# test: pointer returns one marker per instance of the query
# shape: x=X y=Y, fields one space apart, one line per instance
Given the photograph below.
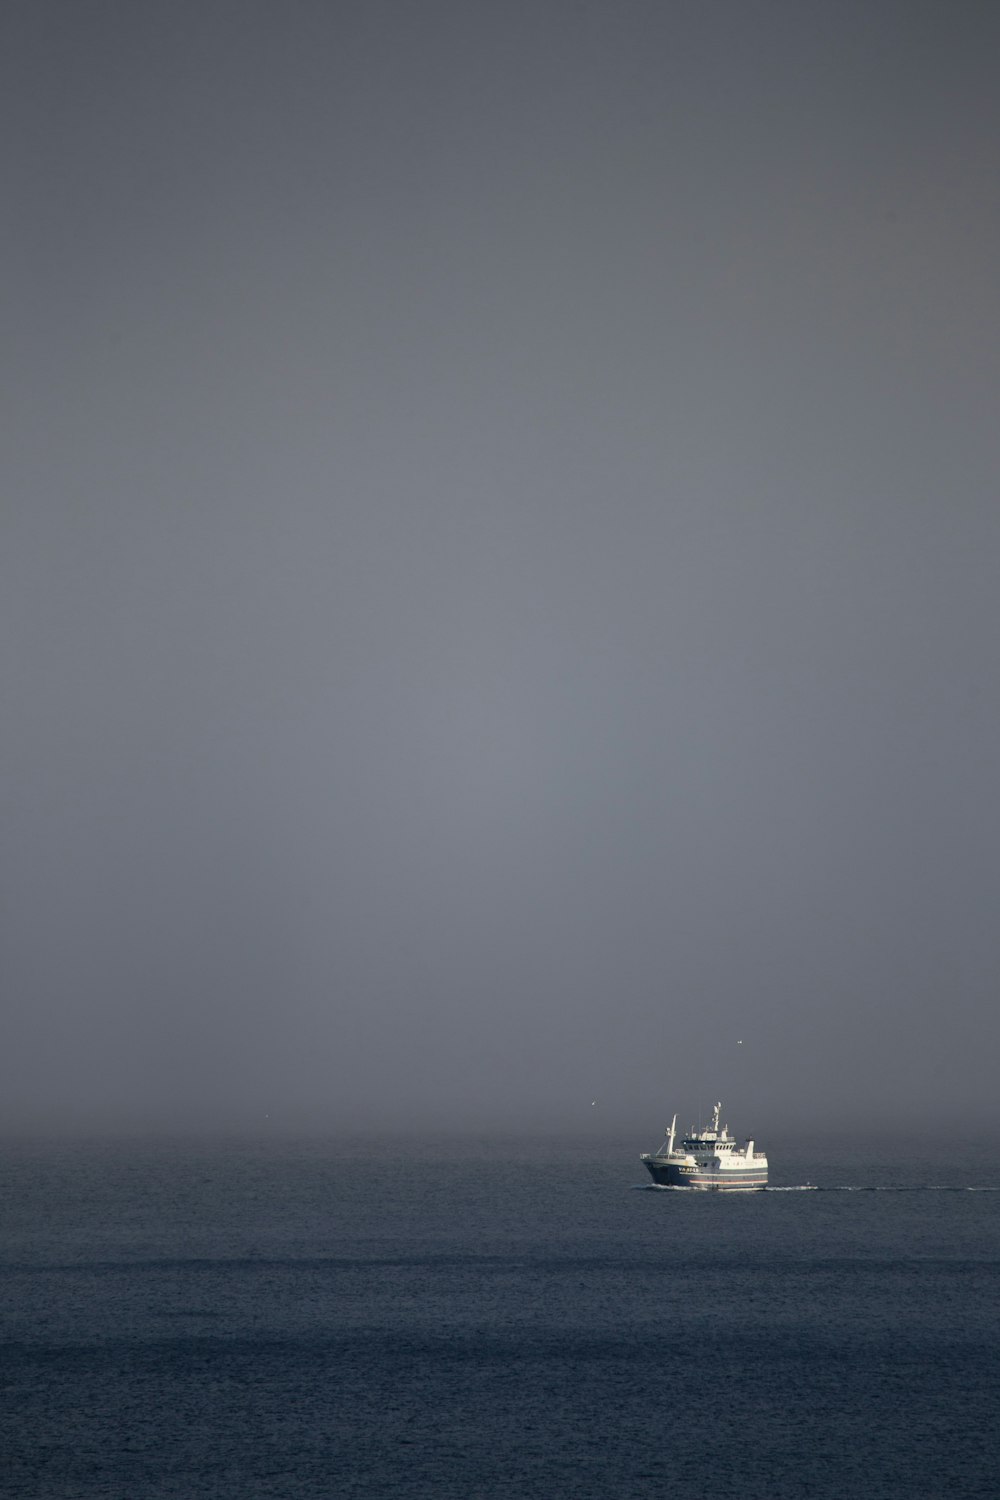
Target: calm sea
x=494 y=1321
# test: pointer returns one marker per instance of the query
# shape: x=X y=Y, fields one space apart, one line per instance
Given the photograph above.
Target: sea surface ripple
x=486 y=1321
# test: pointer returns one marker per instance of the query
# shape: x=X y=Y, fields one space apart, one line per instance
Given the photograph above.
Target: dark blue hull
x=681 y=1175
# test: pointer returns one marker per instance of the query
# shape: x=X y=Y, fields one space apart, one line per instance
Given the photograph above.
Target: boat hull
x=705 y=1179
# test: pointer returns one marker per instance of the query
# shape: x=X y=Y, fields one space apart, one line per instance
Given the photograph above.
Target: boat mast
x=670 y=1136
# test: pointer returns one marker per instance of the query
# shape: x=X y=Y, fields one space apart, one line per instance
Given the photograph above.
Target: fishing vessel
x=707 y=1159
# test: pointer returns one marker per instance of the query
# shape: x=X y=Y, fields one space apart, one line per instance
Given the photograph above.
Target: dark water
x=476 y=1320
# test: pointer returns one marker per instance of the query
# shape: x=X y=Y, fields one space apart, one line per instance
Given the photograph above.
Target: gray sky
x=500 y=552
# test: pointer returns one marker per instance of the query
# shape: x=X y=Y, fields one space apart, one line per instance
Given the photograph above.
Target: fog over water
x=500 y=588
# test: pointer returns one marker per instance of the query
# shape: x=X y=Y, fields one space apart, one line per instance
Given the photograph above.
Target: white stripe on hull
x=714 y=1184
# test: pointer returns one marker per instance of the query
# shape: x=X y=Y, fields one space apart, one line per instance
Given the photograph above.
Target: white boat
x=707 y=1159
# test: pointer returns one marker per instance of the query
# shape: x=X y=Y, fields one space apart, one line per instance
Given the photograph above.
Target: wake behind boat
x=706 y=1159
